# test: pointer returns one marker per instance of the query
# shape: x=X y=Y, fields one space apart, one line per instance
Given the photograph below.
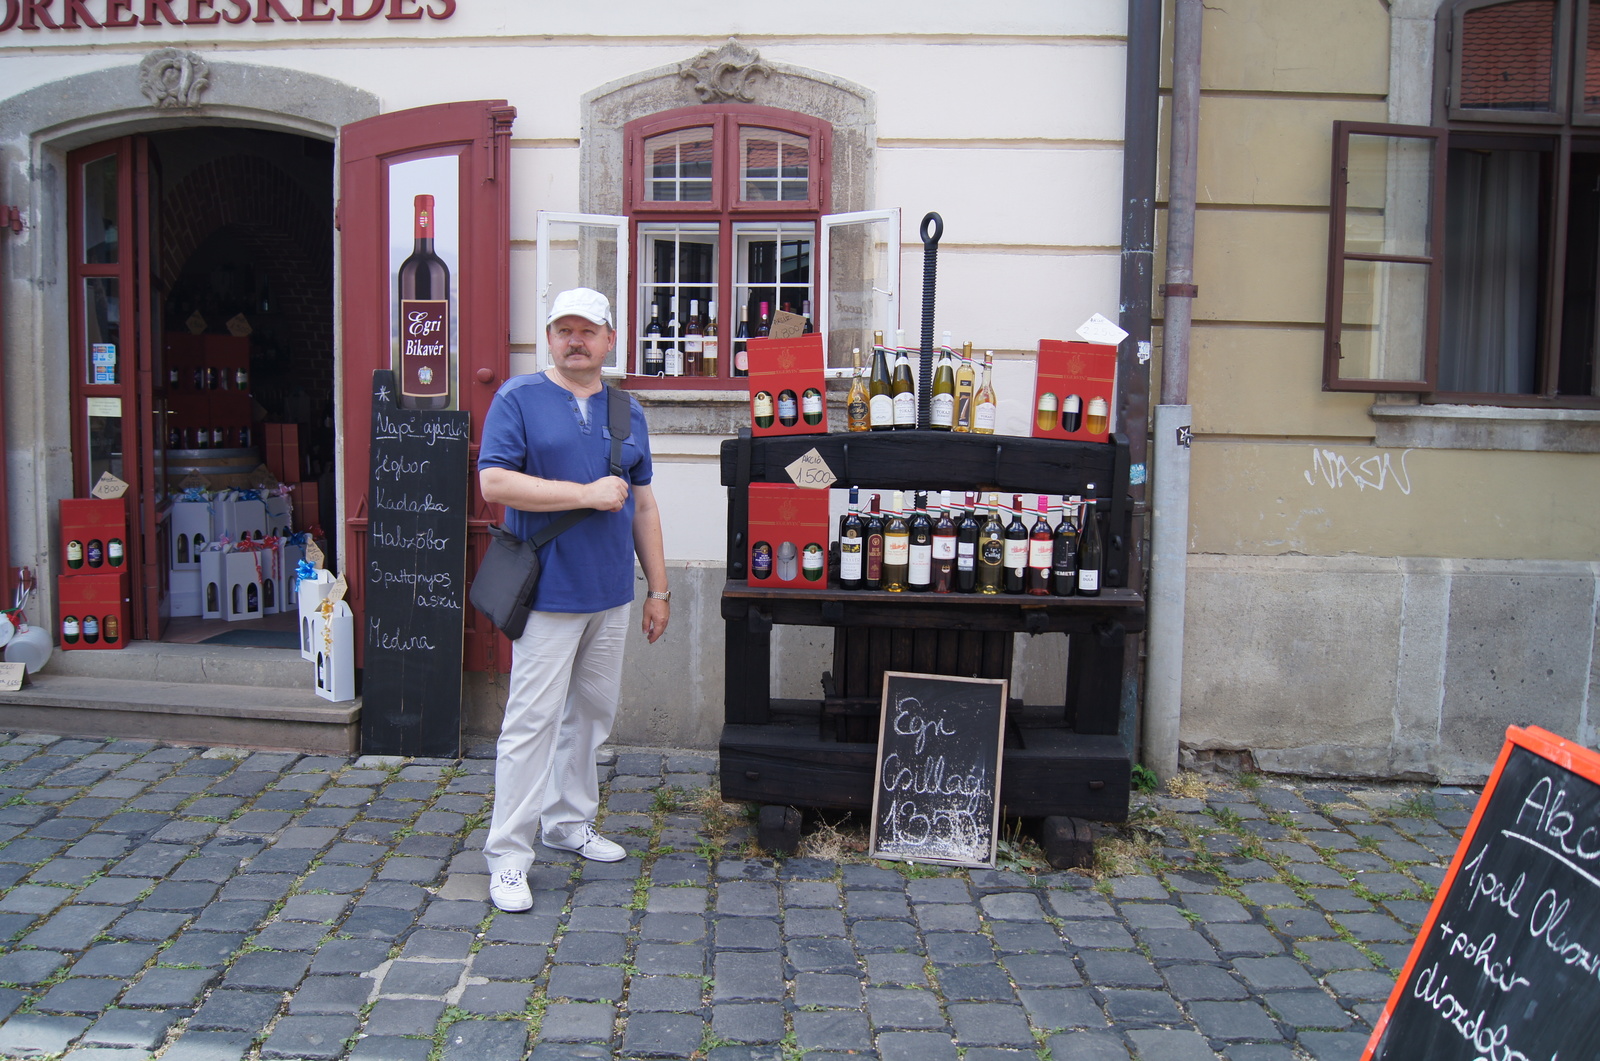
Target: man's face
x=579 y=344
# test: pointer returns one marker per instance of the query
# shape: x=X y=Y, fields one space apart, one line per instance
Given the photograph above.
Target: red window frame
x=725 y=208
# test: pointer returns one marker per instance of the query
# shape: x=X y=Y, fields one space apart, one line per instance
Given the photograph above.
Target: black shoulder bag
x=504 y=586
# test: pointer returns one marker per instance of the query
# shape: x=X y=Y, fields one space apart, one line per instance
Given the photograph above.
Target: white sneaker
x=508 y=890
x=589 y=844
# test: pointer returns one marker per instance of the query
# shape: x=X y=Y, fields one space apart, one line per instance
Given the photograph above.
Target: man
x=546 y=450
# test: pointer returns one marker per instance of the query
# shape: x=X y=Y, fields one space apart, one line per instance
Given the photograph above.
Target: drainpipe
x=1169 y=538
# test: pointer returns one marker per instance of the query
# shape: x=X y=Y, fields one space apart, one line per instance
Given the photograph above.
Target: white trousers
x=566 y=676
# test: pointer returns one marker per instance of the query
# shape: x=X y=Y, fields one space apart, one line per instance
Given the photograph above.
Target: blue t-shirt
x=537 y=427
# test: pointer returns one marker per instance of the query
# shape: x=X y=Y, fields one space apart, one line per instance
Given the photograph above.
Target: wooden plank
x=858 y=662
x=747 y=675
x=1094 y=679
x=925 y=658
x=969 y=654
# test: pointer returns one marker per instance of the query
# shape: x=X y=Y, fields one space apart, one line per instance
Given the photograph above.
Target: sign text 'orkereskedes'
x=25 y=15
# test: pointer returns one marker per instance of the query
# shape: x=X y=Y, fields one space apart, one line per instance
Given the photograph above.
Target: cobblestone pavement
x=193 y=905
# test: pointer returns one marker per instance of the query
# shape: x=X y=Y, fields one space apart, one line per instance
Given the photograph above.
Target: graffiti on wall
x=1374 y=471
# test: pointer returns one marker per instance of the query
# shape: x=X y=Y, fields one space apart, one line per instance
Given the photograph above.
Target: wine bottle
x=693 y=341
x=424 y=325
x=95 y=552
x=919 y=573
x=75 y=554
x=967 y=547
x=761 y=409
x=1046 y=411
x=965 y=386
x=872 y=576
x=761 y=560
x=811 y=405
x=764 y=324
x=857 y=414
x=942 y=402
x=944 y=548
x=91 y=629
x=1016 y=548
x=1090 y=548
x=672 y=337
x=1071 y=413
x=905 y=389
x=813 y=564
x=71 y=629
x=896 y=546
x=1039 y=551
x=788 y=408
x=805 y=311
x=880 y=388
x=114 y=552
x=991 y=549
x=654 y=359
x=851 y=543
x=1064 y=554
x=741 y=352
x=708 y=344
x=983 y=415
x=1098 y=418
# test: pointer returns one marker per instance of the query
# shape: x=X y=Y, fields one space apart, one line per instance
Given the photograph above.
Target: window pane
x=1489 y=335
x=1384 y=321
x=678 y=166
x=105 y=438
x=773 y=166
x=860 y=284
x=676 y=262
x=1387 y=209
x=1576 y=374
x=773 y=267
x=582 y=255
x=1508 y=56
x=1591 y=62
x=100 y=211
x=101 y=329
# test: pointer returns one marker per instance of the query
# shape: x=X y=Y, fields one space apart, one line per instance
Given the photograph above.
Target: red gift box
x=1071 y=376
x=89 y=527
x=789 y=533
x=95 y=611
x=788 y=389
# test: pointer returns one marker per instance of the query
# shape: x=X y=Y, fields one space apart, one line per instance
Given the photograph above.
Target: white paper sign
x=12 y=676
x=811 y=472
x=1098 y=329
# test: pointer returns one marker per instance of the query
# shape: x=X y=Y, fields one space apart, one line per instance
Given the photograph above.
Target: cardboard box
x=89 y=527
x=280 y=515
x=312 y=592
x=283 y=451
x=1070 y=376
x=307 y=505
x=333 y=645
x=191 y=531
x=788 y=391
x=235 y=518
x=183 y=593
x=212 y=583
x=100 y=607
x=242 y=570
x=789 y=534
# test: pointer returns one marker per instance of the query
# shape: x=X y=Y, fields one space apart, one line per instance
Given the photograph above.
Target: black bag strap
x=619 y=410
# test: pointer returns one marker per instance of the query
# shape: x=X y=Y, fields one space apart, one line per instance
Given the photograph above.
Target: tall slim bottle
x=857 y=412
x=741 y=352
x=991 y=549
x=905 y=388
x=1016 y=549
x=967 y=548
x=880 y=388
x=851 y=542
x=693 y=340
x=896 y=546
x=1091 y=550
x=919 y=575
x=966 y=386
x=1064 y=554
x=872 y=576
x=655 y=358
x=764 y=324
x=708 y=346
x=674 y=346
x=424 y=325
x=944 y=548
x=942 y=402
x=1039 y=550
x=983 y=415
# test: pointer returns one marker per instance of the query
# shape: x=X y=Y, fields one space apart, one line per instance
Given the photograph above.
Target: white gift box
x=333 y=640
x=242 y=570
x=281 y=588
x=237 y=519
x=312 y=592
x=279 y=515
x=212 y=582
x=183 y=593
x=191 y=532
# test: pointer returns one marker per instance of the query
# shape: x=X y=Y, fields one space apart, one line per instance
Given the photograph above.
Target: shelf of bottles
x=883 y=390
x=208 y=394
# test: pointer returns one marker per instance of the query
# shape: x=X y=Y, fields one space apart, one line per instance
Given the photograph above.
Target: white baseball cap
x=583 y=302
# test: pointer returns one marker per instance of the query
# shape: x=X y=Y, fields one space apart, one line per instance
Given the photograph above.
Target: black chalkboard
x=1507 y=966
x=415 y=578
x=936 y=793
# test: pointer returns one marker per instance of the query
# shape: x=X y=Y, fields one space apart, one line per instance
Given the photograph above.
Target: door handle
x=485 y=375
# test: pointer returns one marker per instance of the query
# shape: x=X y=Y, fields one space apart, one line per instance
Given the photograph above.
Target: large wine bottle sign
x=936 y=797
x=415 y=577
x=1507 y=965
x=424 y=219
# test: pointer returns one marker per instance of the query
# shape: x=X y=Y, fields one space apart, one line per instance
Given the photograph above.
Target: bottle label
x=763 y=404
x=811 y=404
x=786 y=407
x=944 y=547
x=942 y=412
x=1088 y=579
x=921 y=564
x=850 y=559
x=881 y=409
x=857 y=412
x=1016 y=553
x=966 y=555
x=963 y=412
x=741 y=360
x=896 y=549
x=424 y=354
x=905 y=409
x=692 y=344
x=992 y=553
x=674 y=360
x=1039 y=554
x=874 y=556
x=811 y=563
x=984 y=420
x=708 y=354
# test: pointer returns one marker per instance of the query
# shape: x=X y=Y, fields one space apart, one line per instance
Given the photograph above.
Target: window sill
x=1486 y=427
x=695 y=412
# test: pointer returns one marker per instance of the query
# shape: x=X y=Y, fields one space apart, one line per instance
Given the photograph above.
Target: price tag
x=12 y=676
x=109 y=488
x=786 y=325
x=811 y=472
x=314 y=554
x=1099 y=330
x=340 y=587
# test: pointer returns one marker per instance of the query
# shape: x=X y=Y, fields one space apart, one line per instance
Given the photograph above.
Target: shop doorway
x=202 y=305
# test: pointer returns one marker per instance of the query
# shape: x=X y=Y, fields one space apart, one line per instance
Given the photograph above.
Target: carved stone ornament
x=173 y=78
x=728 y=73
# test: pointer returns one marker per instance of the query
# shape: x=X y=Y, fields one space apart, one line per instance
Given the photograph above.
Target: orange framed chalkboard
x=1507 y=964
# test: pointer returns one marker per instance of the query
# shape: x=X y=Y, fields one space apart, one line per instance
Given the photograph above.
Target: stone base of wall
x=1386 y=667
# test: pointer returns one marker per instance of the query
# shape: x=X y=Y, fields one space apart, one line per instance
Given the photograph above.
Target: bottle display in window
x=424 y=326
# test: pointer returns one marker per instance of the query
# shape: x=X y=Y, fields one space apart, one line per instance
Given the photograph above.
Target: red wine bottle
x=424 y=319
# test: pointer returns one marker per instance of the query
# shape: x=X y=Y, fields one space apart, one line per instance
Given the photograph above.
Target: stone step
x=160 y=661
x=183 y=712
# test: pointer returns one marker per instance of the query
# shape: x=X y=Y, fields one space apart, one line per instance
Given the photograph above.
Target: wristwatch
x=664 y=595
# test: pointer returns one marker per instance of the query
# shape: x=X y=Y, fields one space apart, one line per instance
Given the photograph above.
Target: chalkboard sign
x=1507 y=966
x=415 y=577
x=936 y=796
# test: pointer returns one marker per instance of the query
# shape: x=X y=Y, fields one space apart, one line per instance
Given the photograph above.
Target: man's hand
x=606 y=495
x=656 y=613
